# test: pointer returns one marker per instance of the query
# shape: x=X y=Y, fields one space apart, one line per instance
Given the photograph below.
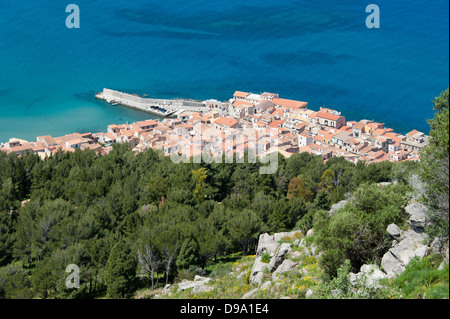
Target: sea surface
x=315 y=51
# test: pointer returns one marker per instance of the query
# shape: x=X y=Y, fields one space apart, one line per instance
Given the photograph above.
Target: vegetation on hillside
x=139 y=221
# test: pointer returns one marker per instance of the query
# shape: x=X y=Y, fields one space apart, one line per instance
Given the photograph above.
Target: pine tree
x=121 y=271
x=188 y=254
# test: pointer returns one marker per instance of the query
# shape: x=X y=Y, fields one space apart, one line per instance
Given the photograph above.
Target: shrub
x=221 y=269
x=247 y=277
x=189 y=273
x=265 y=258
x=357 y=232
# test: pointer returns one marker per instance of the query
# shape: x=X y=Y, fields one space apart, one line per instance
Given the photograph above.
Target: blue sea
x=315 y=51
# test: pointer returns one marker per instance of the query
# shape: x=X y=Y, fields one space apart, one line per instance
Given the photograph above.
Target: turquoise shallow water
x=316 y=51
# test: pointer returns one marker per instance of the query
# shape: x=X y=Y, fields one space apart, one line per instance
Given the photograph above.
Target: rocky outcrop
x=198 y=284
x=286 y=265
x=369 y=276
x=394 y=231
x=337 y=206
x=279 y=256
x=269 y=244
x=409 y=245
x=417 y=216
x=406 y=245
x=250 y=294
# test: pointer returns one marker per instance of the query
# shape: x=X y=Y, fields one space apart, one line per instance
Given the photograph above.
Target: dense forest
x=139 y=220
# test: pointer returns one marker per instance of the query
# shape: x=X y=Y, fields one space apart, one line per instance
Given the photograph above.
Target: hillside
x=131 y=224
x=286 y=266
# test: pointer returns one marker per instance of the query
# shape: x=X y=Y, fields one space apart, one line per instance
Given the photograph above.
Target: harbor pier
x=160 y=107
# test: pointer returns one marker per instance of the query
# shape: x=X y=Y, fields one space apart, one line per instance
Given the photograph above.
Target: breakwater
x=161 y=107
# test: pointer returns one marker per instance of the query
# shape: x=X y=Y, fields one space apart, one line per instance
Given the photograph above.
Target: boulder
x=256 y=280
x=249 y=294
x=309 y=293
x=372 y=275
x=201 y=288
x=337 y=206
x=394 y=231
x=198 y=281
x=310 y=233
x=286 y=265
x=269 y=243
x=279 y=256
x=256 y=273
x=166 y=289
x=266 y=244
x=409 y=246
x=417 y=216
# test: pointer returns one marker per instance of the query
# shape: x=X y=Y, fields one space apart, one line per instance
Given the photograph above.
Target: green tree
x=244 y=226
x=327 y=180
x=298 y=188
x=188 y=254
x=15 y=282
x=357 y=231
x=435 y=166
x=121 y=271
x=199 y=177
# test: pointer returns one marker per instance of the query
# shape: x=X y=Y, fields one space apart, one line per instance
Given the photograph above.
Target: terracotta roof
x=276 y=123
x=358 y=125
x=226 y=121
x=241 y=103
x=413 y=132
x=147 y=123
x=241 y=94
x=328 y=116
x=110 y=135
x=290 y=103
x=75 y=141
x=379 y=131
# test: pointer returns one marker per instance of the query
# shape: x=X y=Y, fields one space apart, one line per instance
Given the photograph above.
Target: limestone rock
x=279 y=256
x=257 y=279
x=198 y=281
x=409 y=246
x=201 y=288
x=372 y=275
x=394 y=231
x=336 y=206
x=256 y=273
x=286 y=265
x=418 y=216
x=266 y=244
x=269 y=243
x=249 y=294
x=166 y=289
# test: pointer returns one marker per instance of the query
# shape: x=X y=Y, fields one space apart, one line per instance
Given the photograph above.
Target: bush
x=189 y=273
x=247 y=277
x=357 y=232
x=220 y=270
x=265 y=258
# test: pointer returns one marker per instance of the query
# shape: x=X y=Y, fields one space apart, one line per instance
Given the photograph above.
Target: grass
x=422 y=280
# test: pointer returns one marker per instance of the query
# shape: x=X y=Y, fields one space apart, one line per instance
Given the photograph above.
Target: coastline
x=326 y=132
